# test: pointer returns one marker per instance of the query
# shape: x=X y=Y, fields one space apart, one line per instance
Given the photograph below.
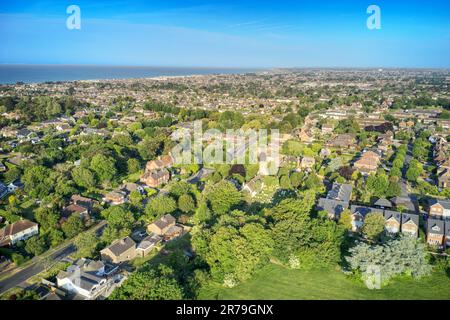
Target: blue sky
x=300 y=33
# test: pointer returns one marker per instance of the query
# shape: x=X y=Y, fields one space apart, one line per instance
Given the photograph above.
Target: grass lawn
x=277 y=282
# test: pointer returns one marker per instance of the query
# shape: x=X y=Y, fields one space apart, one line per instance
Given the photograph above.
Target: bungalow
x=115 y=197
x=156 y=177
x=435 y=232
x=393 y=221
x=119 y=251
x=439 y=208
x=86 y=278
x=147 y=244
x=161 y=225
x=410 y=224
x=17 y=231
x=173 y=232
x=368 y=162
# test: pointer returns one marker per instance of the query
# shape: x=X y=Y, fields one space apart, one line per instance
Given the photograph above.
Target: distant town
x=94 y=205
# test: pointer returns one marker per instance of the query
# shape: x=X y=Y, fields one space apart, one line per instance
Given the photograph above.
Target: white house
x=15 y=232
x=87 y=278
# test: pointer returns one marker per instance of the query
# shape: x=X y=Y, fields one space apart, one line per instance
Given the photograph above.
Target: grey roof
x=444 y=203
x=120 y=246
x=149 y=241
x=84 y=273
x=404 y=201
x=388 y=214
x=363 y=210
x=407 y=217
x=435 y=226
x=383 y=202
x=333 y=207
x=164 y=221
x=447 y=229
x=342 y=192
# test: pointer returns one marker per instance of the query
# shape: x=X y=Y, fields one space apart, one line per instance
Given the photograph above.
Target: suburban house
x=337 y=200
x=119 y=251
x=306 y=135
x=439 y=208
x=344 y=141
x=75 y=210
x=393 y=221
x=161 y=225
x=17 y=231
x=444 y=179
x=435 y=232
x=173 y=232
x=359 y=213
x=405 y=202
x=368 y=162
x=410 y=224
x=161 y=163
x=87 y=278
x=82 y=201
x=129 y=187
x=147 y=244
x=155 y=178
x=115 y=197
x=383 y=203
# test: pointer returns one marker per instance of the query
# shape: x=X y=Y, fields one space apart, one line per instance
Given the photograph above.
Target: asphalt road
x=37 y=267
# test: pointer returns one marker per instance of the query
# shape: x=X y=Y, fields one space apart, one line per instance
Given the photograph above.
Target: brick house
x=155 y=178
x=368 y=162
x=161 y=225
x=410 y=224
x=439 y=208
x=435 y=232
x=119 y=251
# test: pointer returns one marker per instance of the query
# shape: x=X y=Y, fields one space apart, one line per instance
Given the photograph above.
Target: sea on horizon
x=11 y=74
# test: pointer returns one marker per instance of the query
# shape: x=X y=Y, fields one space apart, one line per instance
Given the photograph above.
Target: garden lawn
x=277 y=282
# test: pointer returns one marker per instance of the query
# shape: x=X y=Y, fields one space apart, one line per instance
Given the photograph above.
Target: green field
x=277 y=282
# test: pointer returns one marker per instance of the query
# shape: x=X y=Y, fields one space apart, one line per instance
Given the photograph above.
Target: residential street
x=36 y=267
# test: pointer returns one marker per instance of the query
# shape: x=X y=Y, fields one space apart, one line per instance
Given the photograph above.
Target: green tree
x=36 y=246
x=155 y=283
x=186 y=203
x=133 y=165
x=83 y=178
x=118 y=217
x=86 y=244
x=72 y=226
x=104 y=167
x=373 y=226
x=37 y=181
x=159 y=206
x=223 y=197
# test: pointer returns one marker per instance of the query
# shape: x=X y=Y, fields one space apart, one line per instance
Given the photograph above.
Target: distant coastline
x=11 y=74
